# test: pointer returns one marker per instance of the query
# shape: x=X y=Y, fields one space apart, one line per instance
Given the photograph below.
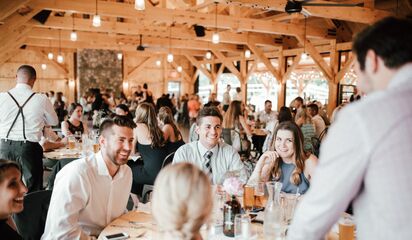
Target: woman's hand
x=266 y=163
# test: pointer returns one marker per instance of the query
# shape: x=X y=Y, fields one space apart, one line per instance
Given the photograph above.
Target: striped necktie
x=208 y=156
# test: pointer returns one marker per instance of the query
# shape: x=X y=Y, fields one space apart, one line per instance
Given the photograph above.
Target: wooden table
x=62 y=153
x=140 y=225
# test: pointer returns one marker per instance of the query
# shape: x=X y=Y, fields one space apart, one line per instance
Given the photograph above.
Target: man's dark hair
x=211 y=111
x=390 y=38
x=299 y=99
x=314 y=108
x=285 y=114
x=121 y=121
x=238 y=89
x=268 y=101
x=29 y=70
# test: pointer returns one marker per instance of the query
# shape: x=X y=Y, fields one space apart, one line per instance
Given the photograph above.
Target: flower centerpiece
x=234 y=187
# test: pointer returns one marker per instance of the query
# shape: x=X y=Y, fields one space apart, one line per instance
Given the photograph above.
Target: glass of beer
x=71 y=142
x=346 y=227
x=248 y=197
x=260 y=199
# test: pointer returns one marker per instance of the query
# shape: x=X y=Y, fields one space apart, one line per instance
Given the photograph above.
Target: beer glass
x=248 y=197
x=346 y=227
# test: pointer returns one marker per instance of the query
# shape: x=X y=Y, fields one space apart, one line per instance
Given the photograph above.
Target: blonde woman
x=288 y=163
x=182 y=202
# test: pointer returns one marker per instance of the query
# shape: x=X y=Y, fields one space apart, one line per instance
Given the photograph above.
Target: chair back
x=227 y=135
x=31 y=221
x=168 y=159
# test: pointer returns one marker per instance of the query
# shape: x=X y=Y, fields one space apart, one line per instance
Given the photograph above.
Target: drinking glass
x=71 y=142
x=260 y=198
x=248 y=197
x=289 y=202
x=243 y=227
x=346 y=227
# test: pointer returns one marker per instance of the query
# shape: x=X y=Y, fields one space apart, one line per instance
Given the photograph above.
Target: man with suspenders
x=23 y=114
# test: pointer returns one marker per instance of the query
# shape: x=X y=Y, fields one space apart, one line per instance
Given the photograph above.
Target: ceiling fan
x=140 y=47
x=294 y=6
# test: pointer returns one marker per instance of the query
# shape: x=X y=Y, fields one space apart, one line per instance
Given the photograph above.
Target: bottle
x=272 y=225
x=231 y=208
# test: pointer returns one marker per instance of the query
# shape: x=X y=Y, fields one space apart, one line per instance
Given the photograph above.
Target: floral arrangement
x=233 y=186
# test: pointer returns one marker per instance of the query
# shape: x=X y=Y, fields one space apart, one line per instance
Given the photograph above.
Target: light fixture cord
x=73 y=21
x=216 y=17
x=304 y=43
x=60 y=33
x=96 y=7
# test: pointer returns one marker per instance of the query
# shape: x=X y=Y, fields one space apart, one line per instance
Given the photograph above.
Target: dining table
x=140 y=225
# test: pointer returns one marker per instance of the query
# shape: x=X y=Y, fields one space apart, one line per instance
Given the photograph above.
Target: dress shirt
x=224 y=159
x=267 y=117
x=226 y=98
x=86 y=198
x=366 y=157
x=38 y=112
x=320 y=125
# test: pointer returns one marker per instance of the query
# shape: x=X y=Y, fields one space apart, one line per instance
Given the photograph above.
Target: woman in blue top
x=288 y=162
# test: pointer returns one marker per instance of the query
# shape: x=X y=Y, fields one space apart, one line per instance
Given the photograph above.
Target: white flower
x=233 y=186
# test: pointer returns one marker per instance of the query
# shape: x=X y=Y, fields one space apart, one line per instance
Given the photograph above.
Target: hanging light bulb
x=50 y=55
x=60 y=58
x=73 y=36
x=304 y=56
x=208 y=55
x=179 y=68
x=43 y=66
x=119 y=56
x=247 y=53
x=139 y=5
x=170 y=57
x=96 y=21
x=215 y=38
x=158 y=63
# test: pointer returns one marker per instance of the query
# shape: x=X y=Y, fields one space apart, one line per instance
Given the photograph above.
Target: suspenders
x=20 y=112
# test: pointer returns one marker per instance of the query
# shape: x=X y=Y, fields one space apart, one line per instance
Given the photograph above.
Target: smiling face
x=117 y=145
x=78 y=113
x=209 y=131
x=12 y=192
x=284 y=144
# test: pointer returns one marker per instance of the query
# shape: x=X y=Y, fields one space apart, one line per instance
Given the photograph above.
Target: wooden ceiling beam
x=199 y=66
x=170 y=16
x=138 y=70
x=9 y=7
x=227 y=63
x=183 y=73
x=261 y=56
x=63 y=70
x=353 y=14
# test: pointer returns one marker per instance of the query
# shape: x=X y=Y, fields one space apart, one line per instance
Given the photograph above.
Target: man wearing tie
x=212 y=156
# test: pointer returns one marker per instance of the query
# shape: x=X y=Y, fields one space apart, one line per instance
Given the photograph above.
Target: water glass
x=243 y=227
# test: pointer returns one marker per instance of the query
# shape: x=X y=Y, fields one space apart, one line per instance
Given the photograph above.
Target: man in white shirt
x=317 y=120
x=267 y=115
x=209 y=154
x=91 y=192
x=23 y=115
x=366 y=156
x=226 y=98
x=238 y=95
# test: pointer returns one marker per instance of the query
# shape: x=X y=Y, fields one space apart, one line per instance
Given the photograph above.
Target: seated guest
x=267 y=115
x=284 y=115
x=74 y=125
x=288 y=162
x=308 y=129
x=182 y=202
x=150 y=144
x=91 y=192
x=215 y=158
x=234 y=125
x=317 y=120
x=123 y=110
x=12 y=191
x=171 y=133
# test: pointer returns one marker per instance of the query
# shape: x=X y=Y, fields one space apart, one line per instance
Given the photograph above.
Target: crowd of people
x=361 y=155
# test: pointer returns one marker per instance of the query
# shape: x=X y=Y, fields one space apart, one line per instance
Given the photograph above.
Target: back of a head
x=314 y=107
x=182 y=200
x=25 y=73
x=165 y=115
x=211 y=111
x=238 y=89
x=390 y=38
x=284 y=114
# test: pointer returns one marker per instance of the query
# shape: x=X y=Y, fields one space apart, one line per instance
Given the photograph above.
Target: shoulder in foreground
x=311 y=160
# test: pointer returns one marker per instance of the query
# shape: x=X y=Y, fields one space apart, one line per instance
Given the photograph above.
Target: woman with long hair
x=234 y=125
x=150 y=144
x=171 y=133
x=182 y=202
x=287 y=162
x=74 y=124
x=12 y=191
x=308 y=129
x=285 y=114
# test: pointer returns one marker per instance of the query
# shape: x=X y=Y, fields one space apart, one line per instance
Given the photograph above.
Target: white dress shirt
x=366 y=157
x=38 y=112
x=86 y=198
x=225 y=158
x=226 y=98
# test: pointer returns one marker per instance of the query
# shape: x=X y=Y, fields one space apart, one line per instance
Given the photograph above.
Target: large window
x=262 y=86
x=205 y=88
x=223 y=80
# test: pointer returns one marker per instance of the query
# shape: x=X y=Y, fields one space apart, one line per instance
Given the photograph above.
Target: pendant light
x=179 y=68
x=73 y=34
x=43 y=66
x=96 y=19
x=170 y=55
x=208 y=55
x=247 y=53
x=304 y=54
x=139 y=5
x=60 y=58
x=215 y=36
x=158 y=63
x=119 y=56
